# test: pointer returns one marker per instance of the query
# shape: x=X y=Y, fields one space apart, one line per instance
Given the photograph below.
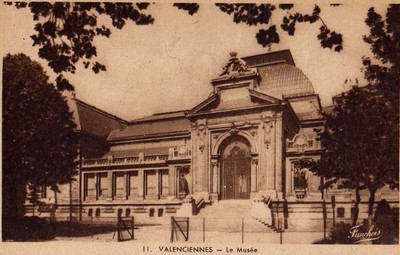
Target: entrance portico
x=237 y=139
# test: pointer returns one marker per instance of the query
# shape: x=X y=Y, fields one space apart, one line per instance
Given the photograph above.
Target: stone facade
x=242 y=142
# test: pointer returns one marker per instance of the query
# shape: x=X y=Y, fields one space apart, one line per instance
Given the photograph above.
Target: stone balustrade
x=140 y=159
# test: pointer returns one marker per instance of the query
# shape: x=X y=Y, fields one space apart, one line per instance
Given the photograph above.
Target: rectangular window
x=164 y=182
x=340 y=212
x=90 y=185
x=103 y=192
x=119 y=184
x=119 y=212
x=151 y=183
x=133 y=184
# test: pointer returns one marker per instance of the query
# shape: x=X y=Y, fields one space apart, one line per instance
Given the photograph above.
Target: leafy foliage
x=360 y=140
x=254 y=14
x=39 y=142
x=384 y=41
x=267 y=37
x=65 y=31
x=191 y=8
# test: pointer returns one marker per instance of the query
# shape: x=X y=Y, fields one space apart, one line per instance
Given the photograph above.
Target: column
x=158 y=186
x=172 y=181
x=214 y=166
x=97 y=185
x=84 y=187
x=254 y=163
x=141 y=183
x=110 y=185
x=279 y=153
x=126 y=185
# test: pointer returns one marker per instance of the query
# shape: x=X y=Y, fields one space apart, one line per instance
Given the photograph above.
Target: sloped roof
x=280 y=78
x=161 y=116
x=279 y=75
x=270 y=58
x=93 y=121
x=284 y=80
x=158 y=124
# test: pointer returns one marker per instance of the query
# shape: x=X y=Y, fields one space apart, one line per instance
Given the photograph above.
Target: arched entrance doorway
x=236 y=166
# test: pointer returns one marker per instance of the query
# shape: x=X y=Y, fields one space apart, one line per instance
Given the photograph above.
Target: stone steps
x=227 y=209
x=228 y=216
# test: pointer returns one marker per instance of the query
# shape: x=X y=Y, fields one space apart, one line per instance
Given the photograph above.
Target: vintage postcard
x=200 y=128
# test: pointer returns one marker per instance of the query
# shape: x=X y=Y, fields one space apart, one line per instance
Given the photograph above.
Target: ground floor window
x=90 y=186
x=133 y=184
x=103 y=190
x=119 y=184
x=151 y=183
x=164 y=182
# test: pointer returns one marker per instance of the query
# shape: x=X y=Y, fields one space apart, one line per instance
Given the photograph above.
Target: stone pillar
x=254 y=164
x=172 y=181
x=188 y=208
x=214 y=165
x=141 y=183
x=126 y=185
x=97 y=185
x=267 y=157
x=158 y=186
x=110 y=185
x=214 y=180
x=278 y=153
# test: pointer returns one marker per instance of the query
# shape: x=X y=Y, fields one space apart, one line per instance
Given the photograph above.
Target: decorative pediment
x=263 y=97
x=206 y=104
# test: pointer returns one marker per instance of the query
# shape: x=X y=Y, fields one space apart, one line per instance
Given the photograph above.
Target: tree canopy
x=39 y=141
x=360 y=140
x=65 y=31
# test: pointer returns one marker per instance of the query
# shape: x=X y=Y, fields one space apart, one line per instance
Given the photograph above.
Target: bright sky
x=168 y=66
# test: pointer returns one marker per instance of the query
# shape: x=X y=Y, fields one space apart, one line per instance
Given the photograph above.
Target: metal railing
x=125 y=225
x=198 y=229
x=179 y=225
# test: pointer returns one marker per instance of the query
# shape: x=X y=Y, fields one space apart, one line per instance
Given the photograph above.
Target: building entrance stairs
x=228 y=216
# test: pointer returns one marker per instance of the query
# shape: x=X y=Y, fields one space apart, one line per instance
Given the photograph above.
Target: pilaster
x=141 y=184
x=254 y=165
x=110 y=185
x=172 y=189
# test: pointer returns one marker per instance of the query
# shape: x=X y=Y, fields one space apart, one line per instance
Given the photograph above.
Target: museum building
x=243 y=142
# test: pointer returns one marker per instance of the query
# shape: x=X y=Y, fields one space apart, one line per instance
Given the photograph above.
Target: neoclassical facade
x=242 y=142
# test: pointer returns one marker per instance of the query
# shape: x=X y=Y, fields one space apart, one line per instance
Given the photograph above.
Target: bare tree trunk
x=371 y=203
x=356 y=206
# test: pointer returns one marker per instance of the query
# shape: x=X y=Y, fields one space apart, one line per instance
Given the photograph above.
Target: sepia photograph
x=200 y=128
